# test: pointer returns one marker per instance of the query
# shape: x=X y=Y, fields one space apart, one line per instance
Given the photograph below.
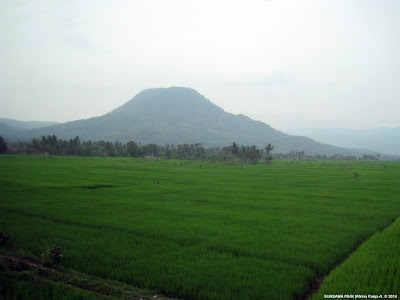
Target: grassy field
x=205 y=231
x=374 y=269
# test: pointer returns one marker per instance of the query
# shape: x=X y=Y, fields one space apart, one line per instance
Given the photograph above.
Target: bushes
x=53 y=256
x=4 y=237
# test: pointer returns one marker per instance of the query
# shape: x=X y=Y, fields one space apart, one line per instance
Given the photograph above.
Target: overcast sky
x=291 y=64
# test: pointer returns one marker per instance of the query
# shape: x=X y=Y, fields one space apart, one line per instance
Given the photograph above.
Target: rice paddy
x=196 y=230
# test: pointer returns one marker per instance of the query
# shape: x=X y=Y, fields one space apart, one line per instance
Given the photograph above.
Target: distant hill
x=26 y=125
x=7 y=131
x=180 y=115
x=9 y=128
x=386 y=140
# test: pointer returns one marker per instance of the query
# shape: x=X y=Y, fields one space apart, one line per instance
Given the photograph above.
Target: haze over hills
x=25 y=124
x=9 y=127
x=386 y=140
x=180 y=115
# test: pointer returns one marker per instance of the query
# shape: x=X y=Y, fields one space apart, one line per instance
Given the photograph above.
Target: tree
x=52 y=145
x=118 y=149
x=167 y=151
x=109 y=149
x=74 y=146
x=3 y=145
x=35 y=145
x=199 y=152
x=87 y=148
x=268 y=156
x=253 y=154
x=43 y=143
x=235 y=149
x=133 y=149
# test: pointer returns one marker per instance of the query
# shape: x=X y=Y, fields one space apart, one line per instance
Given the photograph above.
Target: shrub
x=53 y=255
x=3 y=238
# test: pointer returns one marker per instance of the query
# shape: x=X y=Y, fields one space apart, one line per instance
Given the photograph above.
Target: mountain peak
x=181 y=115
x=170 y=100
x=169 y=94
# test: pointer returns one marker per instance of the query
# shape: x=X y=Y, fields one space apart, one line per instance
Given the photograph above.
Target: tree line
x=231 y=154
x=50 y=145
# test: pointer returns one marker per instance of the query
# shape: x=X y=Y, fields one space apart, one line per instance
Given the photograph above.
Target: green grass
x=24 y=279
x=27 y=286
x=374 y=269
x=209 y=232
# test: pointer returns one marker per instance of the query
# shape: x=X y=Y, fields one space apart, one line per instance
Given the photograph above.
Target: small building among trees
x=149 y=155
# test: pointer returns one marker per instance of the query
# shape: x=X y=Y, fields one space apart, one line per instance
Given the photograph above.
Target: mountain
x=386 y=140
x=8 y=131
x=26 y=125
x=180 y=115
x=9 y=127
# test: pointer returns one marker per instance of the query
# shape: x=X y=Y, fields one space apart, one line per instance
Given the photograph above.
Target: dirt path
x=314 y=288
x=78 y=280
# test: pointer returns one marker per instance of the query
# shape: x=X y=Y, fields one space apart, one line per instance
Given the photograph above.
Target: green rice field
x=196 y=230
x=374 y=269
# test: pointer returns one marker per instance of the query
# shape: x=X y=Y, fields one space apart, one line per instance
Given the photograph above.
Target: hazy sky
x=326 y=63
